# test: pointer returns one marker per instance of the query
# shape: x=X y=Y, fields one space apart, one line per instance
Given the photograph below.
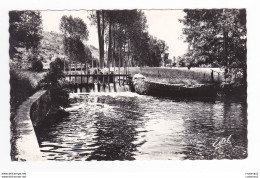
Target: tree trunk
x=124 y=59
x=101 y=37
x=109 y=45
x=119 y=61
x=114 y=47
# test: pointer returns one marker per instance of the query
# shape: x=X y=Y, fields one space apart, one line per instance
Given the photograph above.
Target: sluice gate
x=86 y=83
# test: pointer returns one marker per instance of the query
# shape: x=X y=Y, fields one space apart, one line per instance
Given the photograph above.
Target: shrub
x=59 y=93
x=37 y=66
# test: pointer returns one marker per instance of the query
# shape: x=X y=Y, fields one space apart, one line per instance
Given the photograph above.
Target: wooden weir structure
x=95 y=81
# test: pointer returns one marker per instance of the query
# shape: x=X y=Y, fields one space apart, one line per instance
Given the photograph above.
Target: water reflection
x=127 y=126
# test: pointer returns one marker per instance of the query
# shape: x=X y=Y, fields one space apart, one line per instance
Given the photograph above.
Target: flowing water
x=128 y=126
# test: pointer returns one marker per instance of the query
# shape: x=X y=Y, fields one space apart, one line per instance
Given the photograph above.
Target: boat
x=142 y=86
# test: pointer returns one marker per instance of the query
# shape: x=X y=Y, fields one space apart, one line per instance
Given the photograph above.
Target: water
x=128 y=126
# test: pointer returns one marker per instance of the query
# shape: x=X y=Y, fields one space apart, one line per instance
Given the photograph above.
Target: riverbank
x=179 y=75
x=145 y=87
x=177 y=82
x=23 y=84
x=24 y=144
x=24 y=92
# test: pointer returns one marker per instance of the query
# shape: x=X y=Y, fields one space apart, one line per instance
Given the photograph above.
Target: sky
x=163 y=24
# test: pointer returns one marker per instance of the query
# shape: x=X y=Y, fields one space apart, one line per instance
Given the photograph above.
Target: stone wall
x=24 y=140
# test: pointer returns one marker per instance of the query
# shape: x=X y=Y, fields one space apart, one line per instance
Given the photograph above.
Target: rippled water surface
x=128 y=126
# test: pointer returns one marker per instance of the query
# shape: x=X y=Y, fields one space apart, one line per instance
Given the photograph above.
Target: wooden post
x=86 y=68
x=81 y=78
x=81 y=68
x=70 y=71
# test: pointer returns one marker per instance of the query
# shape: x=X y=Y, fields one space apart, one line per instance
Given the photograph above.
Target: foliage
x=125 y=32
x=20 y=88
x=74 y=31
x=74 y=28
x=157 y=49
x=59 y=94
x=217 y=37
x=23 y=84
x=51 y=46
x=37 y=65
x=25 y=30
x=56 y=72
x=75 y=49
x=88 y=54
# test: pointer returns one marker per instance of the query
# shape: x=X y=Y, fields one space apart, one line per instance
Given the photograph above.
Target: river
x=128 y=126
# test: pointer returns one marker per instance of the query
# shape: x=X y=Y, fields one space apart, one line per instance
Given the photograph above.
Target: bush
x=59 y=97
x=37 y=66
x=59 y=93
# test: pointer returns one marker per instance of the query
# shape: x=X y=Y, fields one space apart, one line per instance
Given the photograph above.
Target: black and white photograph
x=129 y=89
x=132 y=84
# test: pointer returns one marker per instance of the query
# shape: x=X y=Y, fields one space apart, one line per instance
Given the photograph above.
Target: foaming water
x=128 y=126
x=111 y=94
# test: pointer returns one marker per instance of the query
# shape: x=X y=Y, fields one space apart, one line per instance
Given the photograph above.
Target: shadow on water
x=122 y=127
x=115 y=135
x=227 y=119
x=44 y=127
x=106 y=127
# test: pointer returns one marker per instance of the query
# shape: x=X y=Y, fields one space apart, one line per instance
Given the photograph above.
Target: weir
x=89 y=83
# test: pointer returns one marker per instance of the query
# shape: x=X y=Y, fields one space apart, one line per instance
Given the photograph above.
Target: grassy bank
x=178 y=75
x=23 y=84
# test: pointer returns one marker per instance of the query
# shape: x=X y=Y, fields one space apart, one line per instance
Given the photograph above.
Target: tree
x=75 y=49
x=119 y=29
x=74 y=31
x=98 y=18
x=25 y=28
x=74 y=28
x=125 y=33
x=55 y=79
x=217 y=37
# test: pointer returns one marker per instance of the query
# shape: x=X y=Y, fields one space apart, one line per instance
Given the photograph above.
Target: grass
x=33 y=77
x=179 y=75
x=23 y=84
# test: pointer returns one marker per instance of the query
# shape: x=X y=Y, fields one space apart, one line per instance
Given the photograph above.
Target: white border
x=212 y=168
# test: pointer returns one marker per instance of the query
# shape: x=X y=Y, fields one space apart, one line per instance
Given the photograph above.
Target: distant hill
x=94 y=51
x=51 y=46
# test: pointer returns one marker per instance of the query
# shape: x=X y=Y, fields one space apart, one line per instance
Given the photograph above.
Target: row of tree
x=217 y=37
x=122 y=34
x=123 y=39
